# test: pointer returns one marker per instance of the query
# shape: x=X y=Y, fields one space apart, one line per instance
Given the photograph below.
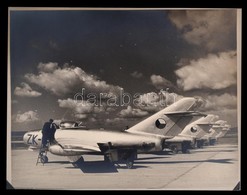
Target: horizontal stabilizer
x=217 y=127
x=205 y=124
x=184 y=113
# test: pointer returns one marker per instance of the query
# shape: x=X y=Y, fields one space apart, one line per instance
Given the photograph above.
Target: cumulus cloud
x=227 y=114
x=148 y=102
x=47 y=67
x=130 y=112
x=110 y=109
x=120 y=123
x=160 y=82
x=28 y=116
x=136 y=74
x=153 y=102
x=80 y=115
x=26 y=91
x=214 y=71
x=213 y=29
x=221 y=102
x=170 y=98
x=68 y=79
x=81 y=109
x=183 y=62
x=114 y=120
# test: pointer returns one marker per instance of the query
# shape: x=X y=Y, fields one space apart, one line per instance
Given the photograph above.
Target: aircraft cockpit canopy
x=71 y=125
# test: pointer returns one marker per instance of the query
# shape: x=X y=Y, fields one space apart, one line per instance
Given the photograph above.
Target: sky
x=113 y=68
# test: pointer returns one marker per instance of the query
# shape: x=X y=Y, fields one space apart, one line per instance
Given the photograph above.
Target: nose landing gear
x=42 y=157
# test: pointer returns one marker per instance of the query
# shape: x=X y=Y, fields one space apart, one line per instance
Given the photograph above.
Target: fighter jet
x=118 y=147
x=223 y=131
x=210 y=138
x=191 y=134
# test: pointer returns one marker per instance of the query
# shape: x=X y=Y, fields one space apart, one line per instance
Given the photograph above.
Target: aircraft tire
x=174 y=149
x=200 y=144
x=185 y=148
x=44 y=159
x=130 y=163
x=106 y=158
x=185 y=151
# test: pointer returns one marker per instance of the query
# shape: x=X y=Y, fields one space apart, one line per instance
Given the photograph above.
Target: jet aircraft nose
x=33 y=138
x=26 y=138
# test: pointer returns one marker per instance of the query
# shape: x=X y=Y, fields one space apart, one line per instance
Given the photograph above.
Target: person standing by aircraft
x=48 y=132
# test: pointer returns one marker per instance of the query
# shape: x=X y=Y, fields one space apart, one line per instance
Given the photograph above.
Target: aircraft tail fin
x=161 y=122
x=199 y=127
x=206 y=123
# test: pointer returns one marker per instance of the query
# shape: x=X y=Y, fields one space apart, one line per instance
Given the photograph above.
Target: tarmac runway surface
x=210 y=168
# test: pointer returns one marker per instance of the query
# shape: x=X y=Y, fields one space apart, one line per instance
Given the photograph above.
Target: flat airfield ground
x=210 y=168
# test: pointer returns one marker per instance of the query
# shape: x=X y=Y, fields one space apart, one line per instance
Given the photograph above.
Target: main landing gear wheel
x=185 y=151
x=106 y=158
x=44 y=159
x=129 y=163
x=174 y=149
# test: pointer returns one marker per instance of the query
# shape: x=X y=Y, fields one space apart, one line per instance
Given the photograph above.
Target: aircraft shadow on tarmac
x=101 y=167
x=163 y=153
x=107 y=167
x=148 y=158
x=200 y=151
x=223 y=161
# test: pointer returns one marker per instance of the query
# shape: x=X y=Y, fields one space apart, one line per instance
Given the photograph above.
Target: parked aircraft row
x=178 y=127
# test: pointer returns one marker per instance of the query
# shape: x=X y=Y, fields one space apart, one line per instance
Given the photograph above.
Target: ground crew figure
x=48 y=132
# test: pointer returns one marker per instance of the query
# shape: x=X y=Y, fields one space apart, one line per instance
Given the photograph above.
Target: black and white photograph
x=124 y=98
